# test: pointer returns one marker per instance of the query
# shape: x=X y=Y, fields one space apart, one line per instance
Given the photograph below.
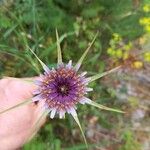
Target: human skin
x=17 y=125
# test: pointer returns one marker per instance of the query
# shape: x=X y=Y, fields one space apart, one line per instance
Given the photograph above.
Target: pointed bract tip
x=78 y=123
x=100 y=75
x=59 y=53
x=40 y=61
x=79 y=63
x=105 y=107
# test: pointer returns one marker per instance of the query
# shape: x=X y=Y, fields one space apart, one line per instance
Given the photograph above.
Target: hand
x=16 y=124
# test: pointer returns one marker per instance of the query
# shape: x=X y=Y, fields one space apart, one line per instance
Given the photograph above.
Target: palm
x=16 y=124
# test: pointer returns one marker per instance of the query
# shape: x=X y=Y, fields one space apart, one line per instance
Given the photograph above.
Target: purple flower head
x=62 y=88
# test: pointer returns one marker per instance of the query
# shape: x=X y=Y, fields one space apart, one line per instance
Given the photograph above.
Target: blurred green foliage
x=31 y=23
x=130 y=141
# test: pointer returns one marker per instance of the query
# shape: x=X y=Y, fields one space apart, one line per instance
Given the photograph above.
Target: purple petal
x=88 y=89
x=36 y=92
x=47 y=70
x=62 y=114
x=38 y=82
x=86 y=80
x=72 y=111
x=53 y=112
x=85 y=100
x=36 y=98
x=83 y=74
x=69 y=65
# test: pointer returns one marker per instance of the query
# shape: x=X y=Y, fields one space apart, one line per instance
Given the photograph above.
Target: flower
x=137 y=64
x=145 y=21
x=116 y=37
x=128 y=46
x=62 y=88
x=147 y=56
x=146 y=8
x=111 y=51
x=147 y=28
x=119 y=53
x=125 y=55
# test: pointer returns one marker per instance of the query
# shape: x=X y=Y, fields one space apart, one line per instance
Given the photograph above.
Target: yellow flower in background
x=146 y=8
x=119 y=53
x=110 y=51
x=128 y=46
x=142 y=40
x=118 y=49
x=147 y=28
x=145 y=21
x=117 y=37
x=147 y=56
x=137 y=64
x=125 y=55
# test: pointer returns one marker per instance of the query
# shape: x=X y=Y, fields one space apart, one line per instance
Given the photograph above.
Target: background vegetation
x=122 y=40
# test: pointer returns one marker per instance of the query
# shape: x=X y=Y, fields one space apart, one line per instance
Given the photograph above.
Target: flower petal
x=62 y=114
x=36 y=92
x=72 y=111
x=85 y=100
x=83 y=74
x=88 y=89
x=53 y=112
x=46 y=69
x=86 y=80
x=37 y=82
x=36 y=98
x=69 y=65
